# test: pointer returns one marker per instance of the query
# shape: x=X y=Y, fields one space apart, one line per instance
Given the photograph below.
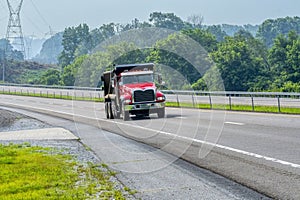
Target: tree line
x=248 y=58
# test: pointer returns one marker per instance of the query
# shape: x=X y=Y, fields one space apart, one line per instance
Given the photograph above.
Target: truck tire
x=106 y=110
x=161 y=113
x=110 y=113
x=115 y=112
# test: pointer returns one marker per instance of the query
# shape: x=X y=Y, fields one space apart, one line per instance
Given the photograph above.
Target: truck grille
x=143 y=96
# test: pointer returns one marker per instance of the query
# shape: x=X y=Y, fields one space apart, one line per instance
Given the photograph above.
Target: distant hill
x=232 y=29
x=24 y=72
x=34 y=46
x=51 y=49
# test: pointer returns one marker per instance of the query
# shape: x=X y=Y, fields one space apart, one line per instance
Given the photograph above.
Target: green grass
x=53 y=96
x=44 y=173
x=266 y=109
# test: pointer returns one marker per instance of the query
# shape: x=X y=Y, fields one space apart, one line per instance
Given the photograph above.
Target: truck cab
x=131 y=90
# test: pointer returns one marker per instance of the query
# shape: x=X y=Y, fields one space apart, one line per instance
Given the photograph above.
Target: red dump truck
x=130 y=90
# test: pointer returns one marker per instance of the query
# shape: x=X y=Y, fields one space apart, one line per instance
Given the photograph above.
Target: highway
x=260 y=151
x=261 y=100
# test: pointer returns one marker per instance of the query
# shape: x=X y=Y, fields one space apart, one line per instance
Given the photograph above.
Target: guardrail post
x=210 y=102
x=230 y=107
x=252 y=101
x=279 y=106
x=193 y=100
x=60 y=95
x=177 y=100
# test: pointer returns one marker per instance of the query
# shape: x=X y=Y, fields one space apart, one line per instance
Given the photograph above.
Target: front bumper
x=151 y=107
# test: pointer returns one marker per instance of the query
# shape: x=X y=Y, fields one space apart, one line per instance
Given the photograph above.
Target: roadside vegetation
x=30 y=172
x=235 y=107
x=256 y=58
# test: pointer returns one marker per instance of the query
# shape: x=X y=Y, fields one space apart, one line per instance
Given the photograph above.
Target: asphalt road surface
x=177 y=180
x=260 y=151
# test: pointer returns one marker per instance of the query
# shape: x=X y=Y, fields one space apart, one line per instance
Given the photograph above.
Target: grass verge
x=53 y=96
x=265 y=109
x=45 y=173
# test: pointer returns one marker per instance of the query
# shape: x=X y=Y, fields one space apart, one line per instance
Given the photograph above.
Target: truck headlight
x=163 y=98
x=127 y=101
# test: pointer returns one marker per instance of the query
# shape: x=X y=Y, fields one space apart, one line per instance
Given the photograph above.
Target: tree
x=135 y=24
x=184 y=55
x=284 y=58
x=236 y=63
x=207 y=40
x=166 y=20
x=271 y=28
x=7 y=51
x=70 y=72
x=50 y=77
x=217 y=31
x=196 y=21
x=76 y=41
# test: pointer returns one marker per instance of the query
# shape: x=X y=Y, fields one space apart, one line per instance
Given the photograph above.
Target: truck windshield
x=147 y=78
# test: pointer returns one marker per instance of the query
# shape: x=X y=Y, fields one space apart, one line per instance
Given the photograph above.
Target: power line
x=2 y=5
x=39 y=13
x=35 y=26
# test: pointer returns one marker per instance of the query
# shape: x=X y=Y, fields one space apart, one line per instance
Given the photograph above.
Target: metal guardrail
x=50 y=86
x=182 y=92
x=229 y=98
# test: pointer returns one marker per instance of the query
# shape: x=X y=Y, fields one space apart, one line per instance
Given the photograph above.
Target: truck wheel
x=110 y=113
x=106 y=110
x=115 y=112
x=161 y=113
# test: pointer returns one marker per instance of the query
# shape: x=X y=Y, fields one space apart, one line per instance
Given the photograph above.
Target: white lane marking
x=275 y=160
x=235 y=123
x=181 y=117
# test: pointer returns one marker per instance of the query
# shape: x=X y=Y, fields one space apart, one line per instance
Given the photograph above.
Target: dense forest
x=263 y=57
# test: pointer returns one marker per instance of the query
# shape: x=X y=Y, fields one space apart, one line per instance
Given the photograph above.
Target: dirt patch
x=11 y=121
x=8 y=118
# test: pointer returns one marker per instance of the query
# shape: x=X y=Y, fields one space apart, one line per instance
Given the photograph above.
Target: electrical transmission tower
x=14 y=32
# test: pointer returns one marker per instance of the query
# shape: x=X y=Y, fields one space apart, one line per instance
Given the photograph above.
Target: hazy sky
x=38 y=15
